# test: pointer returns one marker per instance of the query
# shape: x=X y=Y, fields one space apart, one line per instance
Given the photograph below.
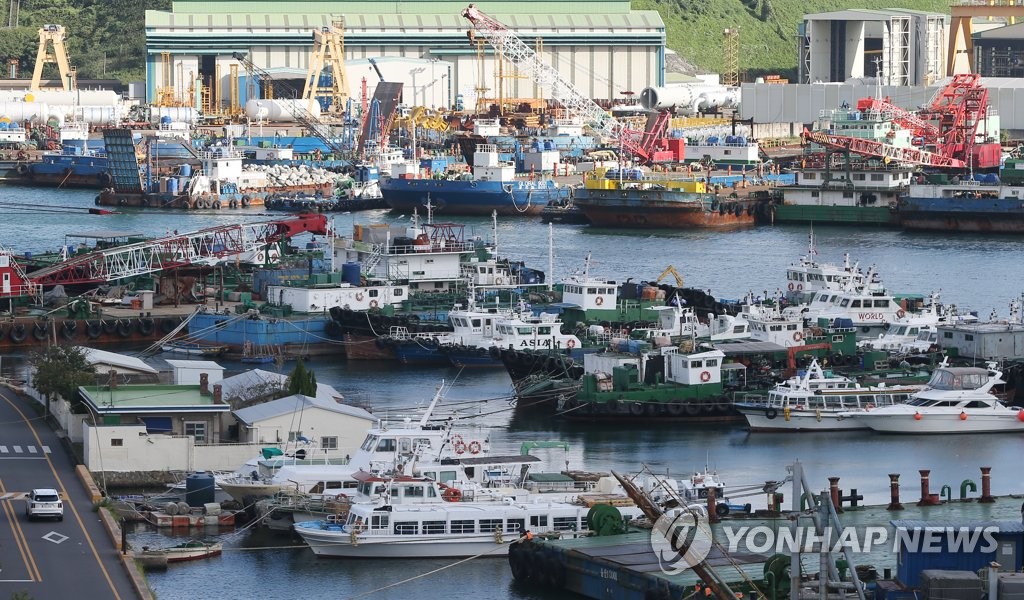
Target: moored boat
x=193 y=348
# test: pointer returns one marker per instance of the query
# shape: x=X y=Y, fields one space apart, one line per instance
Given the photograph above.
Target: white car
x=44 y=502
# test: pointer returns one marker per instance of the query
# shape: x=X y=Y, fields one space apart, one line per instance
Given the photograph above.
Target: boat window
x=397 y=292
x=881 y=304
x=407 y=528
x=431 y=492
x=791 y=327
x=711 y=362
x=695 y=364
x=386 y=445
x=421 y=443
x=544 y=330
x=318 y=488
x=538 y=520
x=333 y=485
x=524 y=330
x=379 y=521
x=490 y=525
x=369 y=443
x=515 y=525
x=912 y=331
x=379 y=489
x=433 y=527
x=476 y=322
x=364 y=488
x=564 y=524
x=374 y=293
x=414 y=491
x=977 y=404
x=846 y=302
x=405 y=445
x=447 y=476
x=591 y=290
x=463 y=527
x=856 y=303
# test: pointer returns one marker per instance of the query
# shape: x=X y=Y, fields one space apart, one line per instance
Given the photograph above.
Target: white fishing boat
x=682 y=321
x=956 y=400
x=807 y=276
x=818 y=400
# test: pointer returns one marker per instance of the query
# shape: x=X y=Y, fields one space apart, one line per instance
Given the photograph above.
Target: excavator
x=671 y=270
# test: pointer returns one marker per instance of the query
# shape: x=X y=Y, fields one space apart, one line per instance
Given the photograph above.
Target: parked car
x=44 y=502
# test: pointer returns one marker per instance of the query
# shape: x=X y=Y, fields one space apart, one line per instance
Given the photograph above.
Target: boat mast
x=494 y=232
x=551 y=256
x=433 y=403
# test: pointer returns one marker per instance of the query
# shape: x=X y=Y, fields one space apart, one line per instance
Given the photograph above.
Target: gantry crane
x=53 y=34
x=509 y=46
x=328 y=52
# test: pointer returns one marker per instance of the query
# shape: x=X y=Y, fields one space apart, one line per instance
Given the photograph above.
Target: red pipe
x=833 y=489
x=986 y=486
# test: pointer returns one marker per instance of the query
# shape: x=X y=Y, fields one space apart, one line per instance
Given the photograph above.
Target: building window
x=968 y=337
x=876 y=177
x=329 y=442
x=116 y=442
x=196 y=429
x=294 y=435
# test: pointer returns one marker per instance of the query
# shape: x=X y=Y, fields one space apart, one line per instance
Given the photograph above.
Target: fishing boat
x=492 y=186
x=192 y=550
x=955 y=400
x=807 y=276
x=479 y=347
x=628 y=197
x=193 y=348
x=817 y=400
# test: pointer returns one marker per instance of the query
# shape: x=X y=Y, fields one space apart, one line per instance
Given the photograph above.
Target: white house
x=129 y=369
x=251 y=384
x=187 y=372
x=331 y=425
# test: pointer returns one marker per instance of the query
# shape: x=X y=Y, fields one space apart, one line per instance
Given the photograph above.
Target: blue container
x=3 y=125
x=172 y=187
x=730 y=139
x=713 y=140
x=165 y=120
x=185 y=170
x=350 y=272
x=634 y=346
x=741 y=140
x=549 y=145
x=199 y=489
x=14 y=125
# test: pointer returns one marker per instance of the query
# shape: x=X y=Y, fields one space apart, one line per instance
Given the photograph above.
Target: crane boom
x=203 y=247
x=888 y=152
x=513 y=49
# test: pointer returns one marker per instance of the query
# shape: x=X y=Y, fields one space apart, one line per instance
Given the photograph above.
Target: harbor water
x=979 y=272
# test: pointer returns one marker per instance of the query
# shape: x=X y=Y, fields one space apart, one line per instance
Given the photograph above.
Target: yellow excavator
x=670 y=270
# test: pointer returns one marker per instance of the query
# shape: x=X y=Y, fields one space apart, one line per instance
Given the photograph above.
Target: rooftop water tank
x=351 y=272
x=199 y=489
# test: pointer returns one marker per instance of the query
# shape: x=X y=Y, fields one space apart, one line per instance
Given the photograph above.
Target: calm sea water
x=977 y=271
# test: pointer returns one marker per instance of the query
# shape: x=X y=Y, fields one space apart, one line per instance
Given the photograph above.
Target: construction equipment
x=731 y=57
x=670 y=270
x=639 y=143
x=328 y=52
x=53 y=34
x=886 y=152
x=204 y=247
x=302 y=116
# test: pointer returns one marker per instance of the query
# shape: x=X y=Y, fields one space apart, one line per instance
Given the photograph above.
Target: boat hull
x=944 y=423
x=990 y=215
x=861 y=215
x=248 y=492
x=650 y=209
x=241 y=199
x=24 y=332
x=338 y=544
x=798 y=420
x=307 y=333
x=471 y=197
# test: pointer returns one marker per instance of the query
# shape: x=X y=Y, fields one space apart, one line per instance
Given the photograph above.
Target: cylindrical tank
x=172 y=186
x=688 y=98
x=79 y=97
x=185 y=170
x=93 y=115
x=350 y=272
x=199 y=489
x=165 y=120
x=163 y=185
x=178 y=114
x=27 y=112
x=280 y=111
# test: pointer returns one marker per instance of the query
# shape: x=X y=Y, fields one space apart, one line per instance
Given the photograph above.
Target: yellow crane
x=670 y=270
x=53 y=34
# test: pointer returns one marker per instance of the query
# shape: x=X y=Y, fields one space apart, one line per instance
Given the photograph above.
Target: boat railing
x=757 y=398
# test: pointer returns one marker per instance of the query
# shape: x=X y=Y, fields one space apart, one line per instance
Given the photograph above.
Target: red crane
x=888 y=152
x=204 y=247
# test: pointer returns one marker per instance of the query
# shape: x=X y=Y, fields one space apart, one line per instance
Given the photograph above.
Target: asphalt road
x=73 y=558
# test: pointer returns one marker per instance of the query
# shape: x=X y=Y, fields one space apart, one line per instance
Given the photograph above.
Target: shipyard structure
x=604 y=46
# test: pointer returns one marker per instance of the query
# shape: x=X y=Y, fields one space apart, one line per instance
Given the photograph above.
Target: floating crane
x=508 y=45
x=203 y=247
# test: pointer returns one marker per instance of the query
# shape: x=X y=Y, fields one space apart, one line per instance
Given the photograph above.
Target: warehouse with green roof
x=603 y=46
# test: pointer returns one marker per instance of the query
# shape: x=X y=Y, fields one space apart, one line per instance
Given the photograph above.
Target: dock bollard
x=894 y=492
x=986 y=485
x=925 y=495
x=712 y=506
x=833 y=490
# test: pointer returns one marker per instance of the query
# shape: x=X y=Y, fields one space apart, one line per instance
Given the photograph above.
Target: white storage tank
x=177 y=114
x=281 y=111
x=25 y=112
x=79 y=97
x=688 y=98
x=93 y=115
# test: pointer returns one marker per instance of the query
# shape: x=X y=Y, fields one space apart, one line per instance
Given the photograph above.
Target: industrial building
x=603 y=46
x=1000 y=52
x=903 y=47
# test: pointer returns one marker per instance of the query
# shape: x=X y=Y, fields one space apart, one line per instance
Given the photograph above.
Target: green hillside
x=768 y=28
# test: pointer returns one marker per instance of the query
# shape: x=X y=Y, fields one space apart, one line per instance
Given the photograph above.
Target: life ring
x=799 y=287
x=374 y=304
x=474 y=447
x=705 y=376
x=39 y=331
x=797 y=336
x=359 y=296
x=791 y=286
x=146 y=326
x=93 y=329
x=599 y=300
x=124 y=328
x=770 y=413
x=456 y=439
x=900 y=313
x=17 y=333
x=498 y=281
x=460 y=447
x=452 y=494
x=570 y=344
x=22 y=169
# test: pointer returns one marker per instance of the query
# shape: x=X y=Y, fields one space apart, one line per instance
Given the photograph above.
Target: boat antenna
x=551 y=256
x=433 y=402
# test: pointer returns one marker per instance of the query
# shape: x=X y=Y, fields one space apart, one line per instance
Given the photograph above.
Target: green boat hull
x=861 y=215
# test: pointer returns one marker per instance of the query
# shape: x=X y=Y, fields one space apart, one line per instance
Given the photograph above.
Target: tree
x=60 y=370
x=302 y=381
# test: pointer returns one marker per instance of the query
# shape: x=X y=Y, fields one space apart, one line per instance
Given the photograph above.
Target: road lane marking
x=32 y=450
x=64 y=493
x=46 y=449
x=20 y=540
x=3 y=449
x=55 y=537
x=17 y=449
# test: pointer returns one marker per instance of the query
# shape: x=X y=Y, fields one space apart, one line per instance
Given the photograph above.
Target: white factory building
x=603 y=46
